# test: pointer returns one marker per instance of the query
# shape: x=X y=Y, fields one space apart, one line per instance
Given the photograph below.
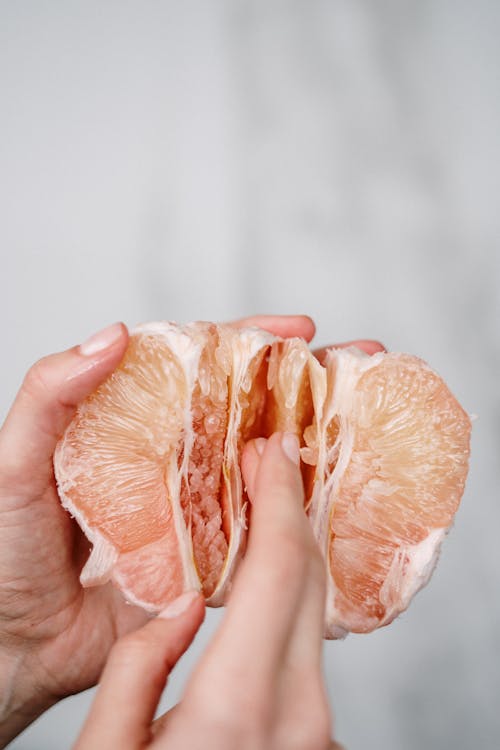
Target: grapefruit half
x=149 y=466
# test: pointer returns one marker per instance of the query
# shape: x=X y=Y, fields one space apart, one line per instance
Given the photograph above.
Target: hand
x=259 y=683
x=54 y=635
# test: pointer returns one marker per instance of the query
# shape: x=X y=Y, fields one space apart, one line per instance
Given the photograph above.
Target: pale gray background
x=210 y=159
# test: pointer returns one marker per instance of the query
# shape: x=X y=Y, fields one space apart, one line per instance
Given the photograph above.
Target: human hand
x=55 y=635
x=259 y=683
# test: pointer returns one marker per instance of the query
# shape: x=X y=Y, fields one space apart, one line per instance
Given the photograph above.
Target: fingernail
x=101 y=340
x=179 y=605
x=260 y=444
x=291 y=448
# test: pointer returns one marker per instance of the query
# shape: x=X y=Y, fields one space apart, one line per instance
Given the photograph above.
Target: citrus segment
x=408 y=443
x=290 y=402
x=117 y=467
x=133 y=424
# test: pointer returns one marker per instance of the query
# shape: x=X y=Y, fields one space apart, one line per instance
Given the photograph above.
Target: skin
x=55 y=636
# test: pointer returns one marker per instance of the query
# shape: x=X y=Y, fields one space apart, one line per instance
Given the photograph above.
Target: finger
x=306 y=641
x=285 y=326
x=368 y=346
x=135 y=676
x=303 y=652
x=268 y=588
x=250 y=460
x=47 y=400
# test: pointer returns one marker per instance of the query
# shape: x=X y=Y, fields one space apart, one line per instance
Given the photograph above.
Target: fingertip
x=372 y=347
x=291 y=447
x=280 y=465
x=301 y=326
x=309 y=328
x=178 y=624
x=180 y=606
x=250 y=460
x=108 y=338
x=183 y=616
x=96 y=358
x=284 y=326
x=259 y=445
x=369 y=346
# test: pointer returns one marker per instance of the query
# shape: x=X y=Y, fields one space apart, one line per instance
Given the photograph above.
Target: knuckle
x=310 y=727
x=288 y=484
x=281 y=551
x=321 y=732
x=243 y=718
x=321 y=726
x=129 y=649
x=292 y=544
x=312 y=735
x=37 y=378
x=288 y=558
x=317 y=567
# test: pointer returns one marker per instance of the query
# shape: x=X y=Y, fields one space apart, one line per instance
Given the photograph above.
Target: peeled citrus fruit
x=149 y=466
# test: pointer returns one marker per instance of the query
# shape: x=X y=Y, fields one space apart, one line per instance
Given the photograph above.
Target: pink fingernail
x=290 y=446
x=101 y=340
x=260 y=445
x=179 y=605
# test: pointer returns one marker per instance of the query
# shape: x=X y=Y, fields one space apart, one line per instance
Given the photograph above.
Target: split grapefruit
x=149 y=466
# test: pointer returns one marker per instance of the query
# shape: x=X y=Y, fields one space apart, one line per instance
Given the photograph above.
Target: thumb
x=47 y=401
x=135 y=675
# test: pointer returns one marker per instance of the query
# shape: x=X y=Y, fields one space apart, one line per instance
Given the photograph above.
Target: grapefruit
x=149 y=466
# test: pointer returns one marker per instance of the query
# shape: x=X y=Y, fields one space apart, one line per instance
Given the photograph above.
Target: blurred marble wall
x=203 y=159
